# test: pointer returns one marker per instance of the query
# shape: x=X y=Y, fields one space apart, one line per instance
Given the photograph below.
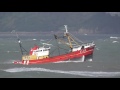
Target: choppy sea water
x=105 y=64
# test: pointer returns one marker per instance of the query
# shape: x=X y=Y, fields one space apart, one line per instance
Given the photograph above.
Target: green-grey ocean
x=105 y=64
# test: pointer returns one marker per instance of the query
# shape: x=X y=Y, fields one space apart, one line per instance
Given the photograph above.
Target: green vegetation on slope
x=84 y=22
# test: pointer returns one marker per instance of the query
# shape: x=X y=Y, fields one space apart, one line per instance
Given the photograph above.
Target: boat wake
x=69 y=61
x=7 y=62
x=79 y=73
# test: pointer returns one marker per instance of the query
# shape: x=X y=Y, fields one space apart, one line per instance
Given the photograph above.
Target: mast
x=66 y=29
x=70 y=39
x=66 y=33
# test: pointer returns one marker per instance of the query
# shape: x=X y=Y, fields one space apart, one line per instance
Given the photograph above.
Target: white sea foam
x=89 y=66
x=7 y=62
x=115 y=37
x=42 y=40
x=115 y=42
x=79 y=73
x=69 y=61
x=34 y=39
x=90 y=60
x=97 y=49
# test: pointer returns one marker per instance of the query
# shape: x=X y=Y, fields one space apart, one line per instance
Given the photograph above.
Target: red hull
x=71 y=55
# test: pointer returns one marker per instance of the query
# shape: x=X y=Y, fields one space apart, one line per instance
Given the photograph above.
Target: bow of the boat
x=17 y=62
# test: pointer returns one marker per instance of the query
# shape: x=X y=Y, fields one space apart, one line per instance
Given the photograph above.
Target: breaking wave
x=115 y=42
x=79 y=73
x=115 y=37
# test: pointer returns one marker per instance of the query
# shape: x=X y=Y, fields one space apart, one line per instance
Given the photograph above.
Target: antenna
x=13 y=31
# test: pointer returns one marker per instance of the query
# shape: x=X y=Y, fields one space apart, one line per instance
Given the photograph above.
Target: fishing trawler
x=41 y=54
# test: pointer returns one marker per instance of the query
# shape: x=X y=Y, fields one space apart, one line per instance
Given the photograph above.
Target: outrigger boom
x=40 y=55
x=19 y=42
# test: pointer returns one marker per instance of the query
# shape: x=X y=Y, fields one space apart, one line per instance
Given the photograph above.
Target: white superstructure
x=42 y=51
